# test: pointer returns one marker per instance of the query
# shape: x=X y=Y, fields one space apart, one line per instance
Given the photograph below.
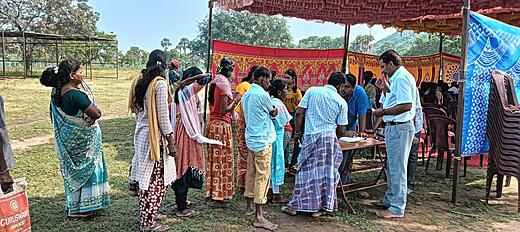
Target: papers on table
x=351 y=139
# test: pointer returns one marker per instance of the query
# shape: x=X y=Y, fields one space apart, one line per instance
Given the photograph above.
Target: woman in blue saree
x=78 y=139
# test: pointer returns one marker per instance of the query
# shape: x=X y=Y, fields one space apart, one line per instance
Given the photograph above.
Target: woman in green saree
x=78 y=139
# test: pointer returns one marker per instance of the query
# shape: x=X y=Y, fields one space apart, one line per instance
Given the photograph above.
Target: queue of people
x=271 y=116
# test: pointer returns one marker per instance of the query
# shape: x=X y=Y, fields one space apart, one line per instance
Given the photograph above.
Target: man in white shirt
x=325 y=113
x=398 y=112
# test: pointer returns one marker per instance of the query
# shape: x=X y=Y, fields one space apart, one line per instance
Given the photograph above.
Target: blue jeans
x=345 y=178
x=398 y=140
x=412 y=164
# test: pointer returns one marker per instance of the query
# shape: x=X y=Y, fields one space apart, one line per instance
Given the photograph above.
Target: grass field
x=27 y=118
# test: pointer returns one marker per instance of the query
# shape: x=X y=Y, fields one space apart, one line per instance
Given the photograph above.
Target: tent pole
x=90 y=57
x=208 y=58
x=460 y=107
x=57 y=53
x=441 y=55
x=3 y=55
x=117 y=59
x=344 y=64
x=24 y=55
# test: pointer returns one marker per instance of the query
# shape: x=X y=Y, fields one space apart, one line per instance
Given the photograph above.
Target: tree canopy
x=362 y=43
x=321 y=42
x=242 y=27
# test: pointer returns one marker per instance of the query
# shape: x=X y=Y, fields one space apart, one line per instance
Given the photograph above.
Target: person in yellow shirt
x=240 y=90
x=293 y=98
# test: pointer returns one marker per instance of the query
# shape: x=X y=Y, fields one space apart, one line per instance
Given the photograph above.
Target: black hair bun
x=49 y=78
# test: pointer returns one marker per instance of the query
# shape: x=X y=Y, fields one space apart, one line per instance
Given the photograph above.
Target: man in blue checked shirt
x=358 y=104
x=399 y=108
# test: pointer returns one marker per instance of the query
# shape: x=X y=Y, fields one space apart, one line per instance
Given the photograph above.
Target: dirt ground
x=428 y=209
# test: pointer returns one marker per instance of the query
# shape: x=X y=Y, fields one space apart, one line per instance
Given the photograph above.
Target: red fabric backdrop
x=313 y=67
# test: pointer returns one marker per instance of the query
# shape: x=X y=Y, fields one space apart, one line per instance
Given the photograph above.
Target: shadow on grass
x=50 y=214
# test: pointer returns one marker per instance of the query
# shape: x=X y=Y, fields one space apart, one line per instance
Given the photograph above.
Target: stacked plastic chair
x=503 y=132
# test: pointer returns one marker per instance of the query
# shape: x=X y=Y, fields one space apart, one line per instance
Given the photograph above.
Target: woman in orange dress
x=241 y=128
x=220 y=165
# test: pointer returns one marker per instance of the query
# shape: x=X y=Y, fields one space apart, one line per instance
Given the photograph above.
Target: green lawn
x=27 y=106
x=27 y=103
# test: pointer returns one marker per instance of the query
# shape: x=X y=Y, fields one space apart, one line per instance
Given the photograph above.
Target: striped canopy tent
x=417 y=15
x=451 y=24
x=351 y=12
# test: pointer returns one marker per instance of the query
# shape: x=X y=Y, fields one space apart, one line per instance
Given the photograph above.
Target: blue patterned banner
x=493 y=45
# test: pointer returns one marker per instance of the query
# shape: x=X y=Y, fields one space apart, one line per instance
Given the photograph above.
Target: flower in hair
x=56 y=70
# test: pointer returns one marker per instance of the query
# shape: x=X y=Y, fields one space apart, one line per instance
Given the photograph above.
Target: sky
x=146 y=23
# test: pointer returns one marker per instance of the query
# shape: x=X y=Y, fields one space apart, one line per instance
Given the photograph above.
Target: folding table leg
x=508 y=181
x=345 y=198
x=346 y=169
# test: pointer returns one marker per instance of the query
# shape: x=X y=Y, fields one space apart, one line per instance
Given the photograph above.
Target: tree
x=361 y=43
x=241 y=27
x=387 y=46
x=430 y=45
x=166 y=43
x=135 y=57
x=183 y=46
x=317 y=42
x=64 y=17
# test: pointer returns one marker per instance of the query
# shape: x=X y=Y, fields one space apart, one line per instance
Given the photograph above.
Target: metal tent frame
x=60 y=43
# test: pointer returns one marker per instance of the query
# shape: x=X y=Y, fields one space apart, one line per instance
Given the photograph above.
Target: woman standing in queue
x=153 y=167
x=188 y=138
x=220 y=166
x=241 y=89
x=78 y=139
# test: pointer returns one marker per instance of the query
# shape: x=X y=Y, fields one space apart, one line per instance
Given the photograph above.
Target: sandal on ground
x=319 y=214
x=385 y=214
x=189 y=204
x=289 y=211
x=160 y=216
x=157 y=227
x=188 y=214
x=380 y=203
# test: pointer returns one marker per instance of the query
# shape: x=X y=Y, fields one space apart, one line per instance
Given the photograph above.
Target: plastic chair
x=428 y=111
x=503 y=132
x=441 y=125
